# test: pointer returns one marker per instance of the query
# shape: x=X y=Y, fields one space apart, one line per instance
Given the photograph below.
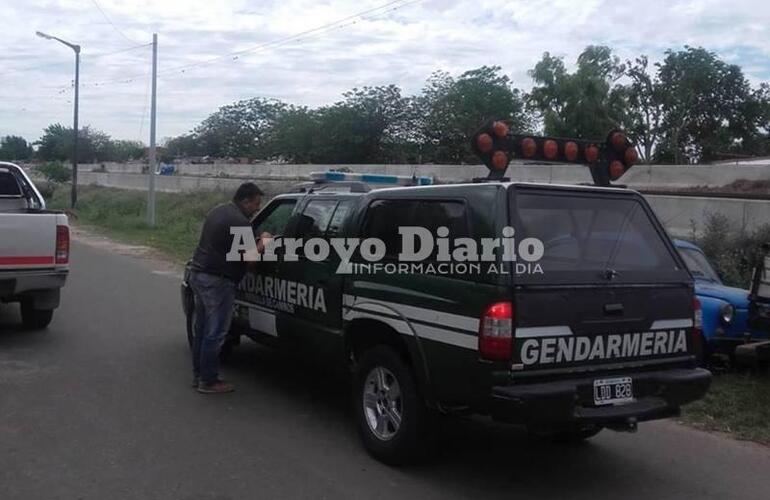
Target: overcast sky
x=402 y=44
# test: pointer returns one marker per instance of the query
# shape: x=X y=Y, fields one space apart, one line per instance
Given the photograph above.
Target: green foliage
x=702 y=98
x=737 y=403
x=56 y=144
x=13 y=148
x=450 y=110
x=121 y=214
x=55 y=172
x=584 y=104
x=692 y=107
x=239 y=129
x=643 y=107
x=731 y=250
x=370 y=125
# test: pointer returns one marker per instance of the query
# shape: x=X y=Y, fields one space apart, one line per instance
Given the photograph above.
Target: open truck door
x=759 y=298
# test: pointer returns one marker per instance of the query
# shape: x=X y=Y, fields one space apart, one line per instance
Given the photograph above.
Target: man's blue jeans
x=214 y=300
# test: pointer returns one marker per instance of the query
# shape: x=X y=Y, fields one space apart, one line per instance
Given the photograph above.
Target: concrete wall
x=681 y=215
x=639 y=177
x=678 y=213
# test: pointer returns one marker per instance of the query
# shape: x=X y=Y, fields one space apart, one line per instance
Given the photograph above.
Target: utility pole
x=151 y=169
x=74 y=192
x=76 y=48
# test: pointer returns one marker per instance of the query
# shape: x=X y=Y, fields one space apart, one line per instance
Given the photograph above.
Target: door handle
x=613 y=309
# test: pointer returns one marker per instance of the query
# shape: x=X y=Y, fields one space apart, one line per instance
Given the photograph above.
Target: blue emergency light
x=393 y=180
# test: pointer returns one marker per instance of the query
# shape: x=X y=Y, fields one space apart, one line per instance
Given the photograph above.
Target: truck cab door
x=255 y=313
x=313 y=286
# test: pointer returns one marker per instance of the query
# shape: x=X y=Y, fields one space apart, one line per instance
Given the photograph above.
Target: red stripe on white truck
x=26 y=260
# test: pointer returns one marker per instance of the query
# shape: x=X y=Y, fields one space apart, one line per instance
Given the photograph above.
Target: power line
x=279 y=41
x=117 y=30
x=83 y=56
x=338 y=24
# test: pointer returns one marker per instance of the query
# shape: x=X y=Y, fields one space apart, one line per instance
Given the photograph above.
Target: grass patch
x=121 y=214
x=737 y=404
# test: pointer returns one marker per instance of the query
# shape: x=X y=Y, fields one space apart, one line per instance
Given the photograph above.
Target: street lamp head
x=43 y=35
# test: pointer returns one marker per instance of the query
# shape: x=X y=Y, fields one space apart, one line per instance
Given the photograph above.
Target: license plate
x=612 y=391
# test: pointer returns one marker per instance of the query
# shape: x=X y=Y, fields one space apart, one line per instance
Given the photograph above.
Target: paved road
x=99 y=407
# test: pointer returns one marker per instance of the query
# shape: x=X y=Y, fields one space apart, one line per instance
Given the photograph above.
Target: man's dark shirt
x=216 y=240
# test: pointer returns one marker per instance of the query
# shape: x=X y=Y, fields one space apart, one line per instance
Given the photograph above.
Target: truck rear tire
x=35 y=319
x=393 y=420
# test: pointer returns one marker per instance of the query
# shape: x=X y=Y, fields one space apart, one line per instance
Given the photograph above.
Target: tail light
x=697 y=315
x=496 y=332
x=62 y=245
x=697 y=328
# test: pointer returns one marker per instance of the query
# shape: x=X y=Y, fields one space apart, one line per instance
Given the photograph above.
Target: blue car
x=725 y=308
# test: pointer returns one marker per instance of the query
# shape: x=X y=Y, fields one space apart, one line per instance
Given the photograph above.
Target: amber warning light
x=608 y=160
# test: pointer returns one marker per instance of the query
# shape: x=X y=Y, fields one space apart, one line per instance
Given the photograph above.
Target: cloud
x=402 y=46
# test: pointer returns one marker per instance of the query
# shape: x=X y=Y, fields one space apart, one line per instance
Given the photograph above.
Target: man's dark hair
x=247 y=191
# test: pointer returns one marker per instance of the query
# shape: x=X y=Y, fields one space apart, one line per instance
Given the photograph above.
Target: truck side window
x=315 y=218
x=335 y=225
x=384 y=217
x=274 y=218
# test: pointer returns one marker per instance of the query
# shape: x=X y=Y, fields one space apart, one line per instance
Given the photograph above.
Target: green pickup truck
x=582 y=317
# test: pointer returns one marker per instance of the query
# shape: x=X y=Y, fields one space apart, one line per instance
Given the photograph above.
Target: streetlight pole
x=76 y=48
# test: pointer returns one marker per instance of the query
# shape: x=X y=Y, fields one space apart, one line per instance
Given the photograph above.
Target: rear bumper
x=17 y=283
x=659 y=394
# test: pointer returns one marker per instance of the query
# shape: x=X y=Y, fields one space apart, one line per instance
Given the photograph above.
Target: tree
x=292 y=136
x=183 y=145
x=366 y=127
x=125 y=150
x=450 y=110
x=644 y=108
x=585 y=104
x=93 y=146
x=702 y=100
x=56 y=143
x=239 y=129
x=13 y=147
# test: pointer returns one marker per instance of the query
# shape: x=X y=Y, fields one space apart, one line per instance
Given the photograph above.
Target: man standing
x=213 y=281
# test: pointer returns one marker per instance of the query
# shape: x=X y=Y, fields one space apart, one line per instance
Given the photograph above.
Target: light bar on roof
x=393 y=180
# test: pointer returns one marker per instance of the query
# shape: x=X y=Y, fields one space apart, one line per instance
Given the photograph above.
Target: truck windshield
x=698 y=265
x=588 y=238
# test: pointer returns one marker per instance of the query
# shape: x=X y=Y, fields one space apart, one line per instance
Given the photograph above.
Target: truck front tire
x=393 y=420
x=35 y=319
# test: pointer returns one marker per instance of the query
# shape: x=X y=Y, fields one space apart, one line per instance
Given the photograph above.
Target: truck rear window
x=8 y=184
x=589 y=238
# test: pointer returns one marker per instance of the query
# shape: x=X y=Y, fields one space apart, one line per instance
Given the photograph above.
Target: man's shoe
x=216 y=387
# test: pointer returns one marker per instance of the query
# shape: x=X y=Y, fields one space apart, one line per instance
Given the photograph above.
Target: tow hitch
x=627 y=425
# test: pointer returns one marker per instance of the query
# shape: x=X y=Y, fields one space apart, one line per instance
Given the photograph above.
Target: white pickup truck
x=34 y=248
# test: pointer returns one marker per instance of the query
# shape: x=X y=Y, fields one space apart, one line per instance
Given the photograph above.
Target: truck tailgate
x=28 y=240
x=601 y=325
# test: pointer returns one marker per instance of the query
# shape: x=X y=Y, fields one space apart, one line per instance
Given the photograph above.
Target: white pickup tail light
x=62 y=245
